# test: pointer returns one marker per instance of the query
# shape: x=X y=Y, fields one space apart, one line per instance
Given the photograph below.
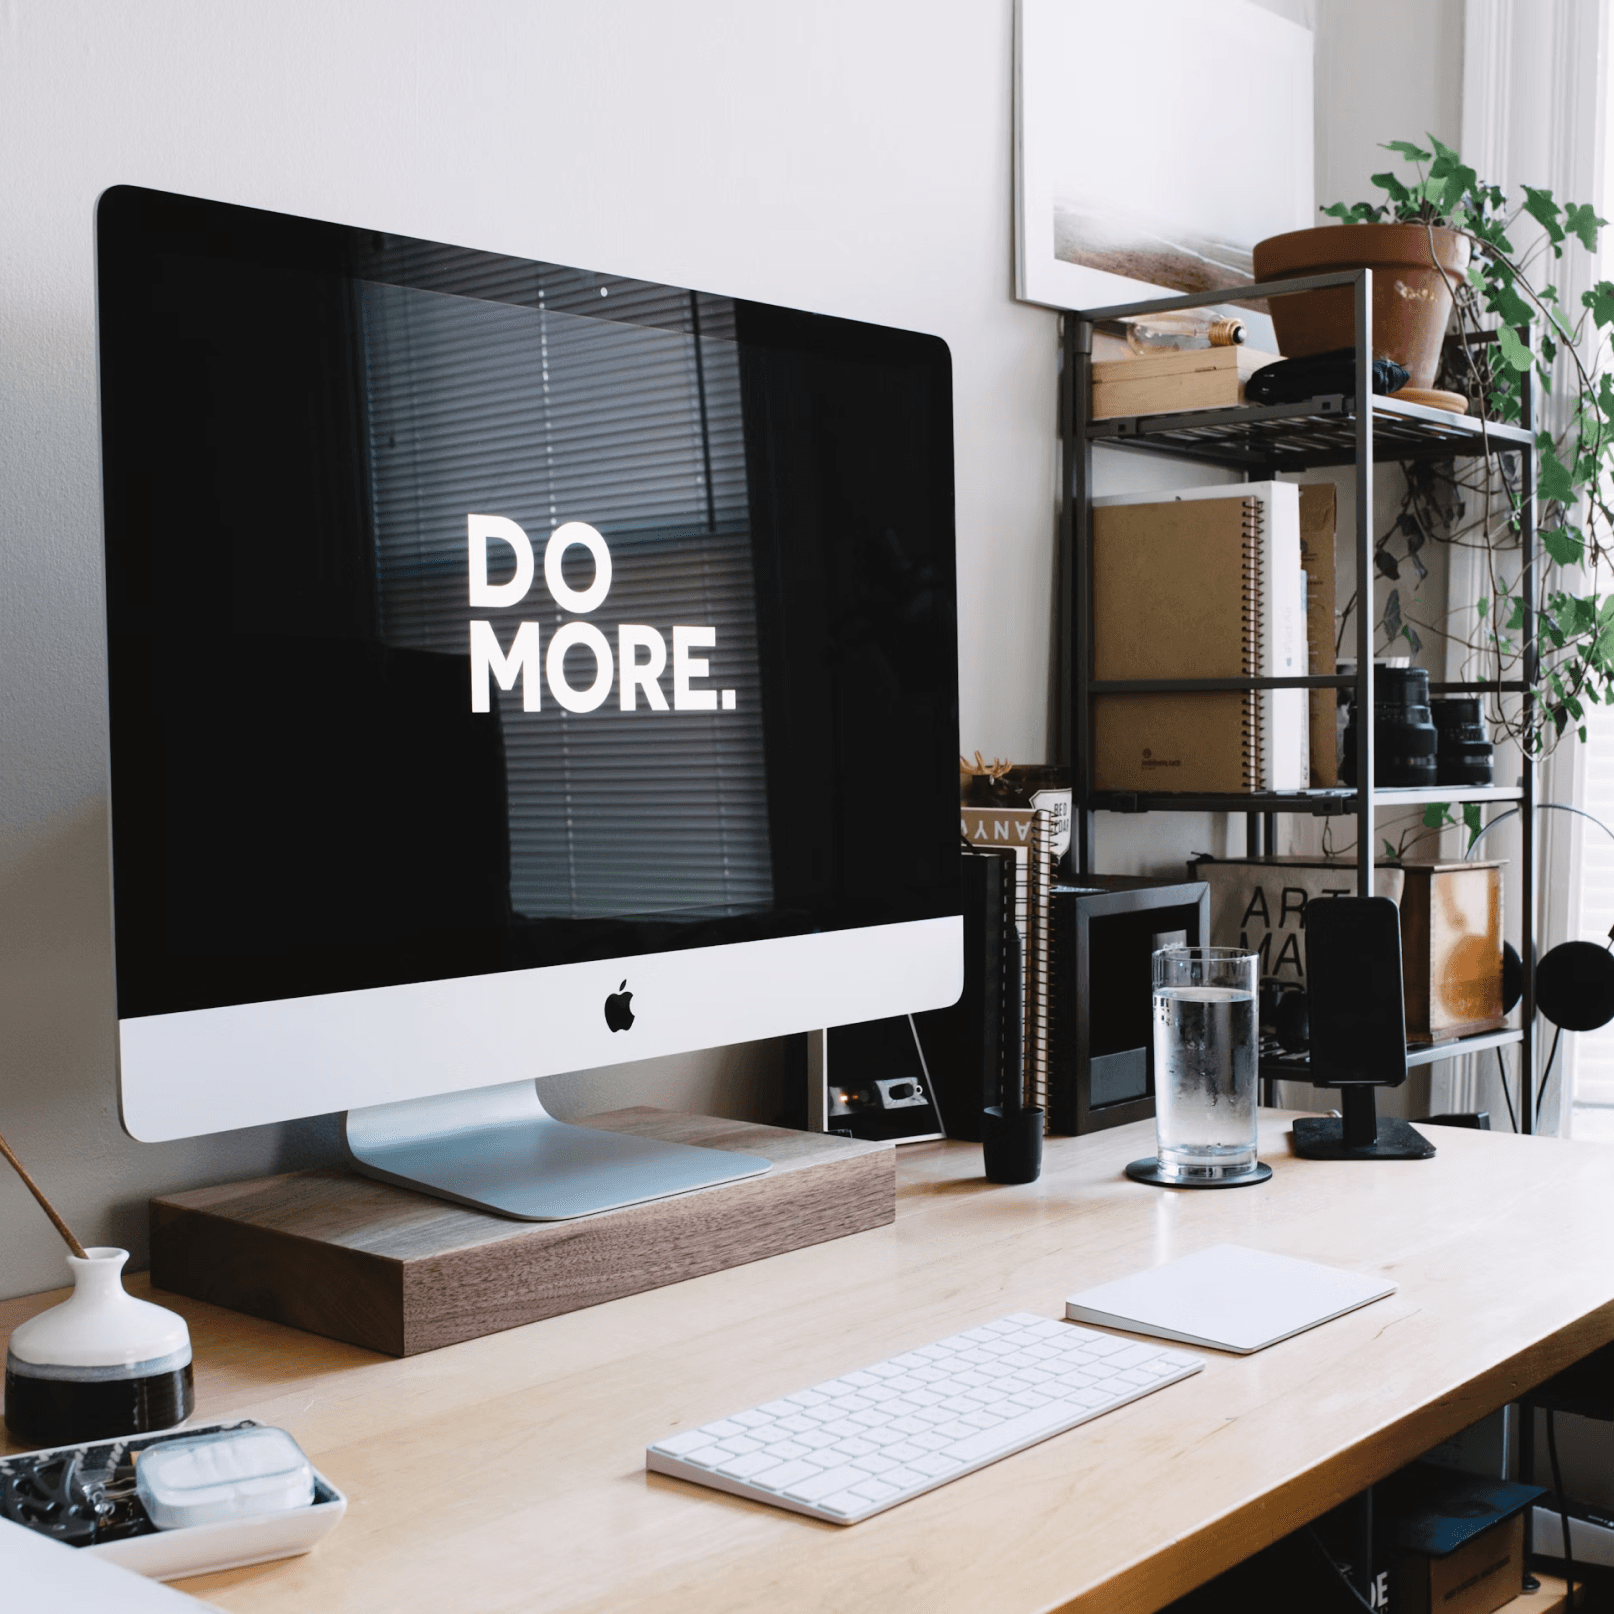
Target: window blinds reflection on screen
x=544 y=415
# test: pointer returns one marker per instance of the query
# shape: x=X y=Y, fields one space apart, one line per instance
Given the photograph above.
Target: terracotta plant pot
x=1411 y=298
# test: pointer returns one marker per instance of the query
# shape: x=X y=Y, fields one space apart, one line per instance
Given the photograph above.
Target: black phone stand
x=1361 y=1134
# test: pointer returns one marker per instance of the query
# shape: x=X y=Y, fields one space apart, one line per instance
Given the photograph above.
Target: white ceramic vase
x=99 y=1365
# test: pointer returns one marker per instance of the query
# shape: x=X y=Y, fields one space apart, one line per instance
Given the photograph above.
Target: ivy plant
x=1513 y=325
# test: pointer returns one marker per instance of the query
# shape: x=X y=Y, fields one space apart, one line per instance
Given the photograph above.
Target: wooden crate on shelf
x=1163 y=383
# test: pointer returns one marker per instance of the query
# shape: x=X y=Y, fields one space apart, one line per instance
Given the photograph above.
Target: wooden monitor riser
x=398 y=1271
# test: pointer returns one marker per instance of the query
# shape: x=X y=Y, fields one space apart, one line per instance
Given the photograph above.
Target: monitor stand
x=498 y=1149
x=1362 y=1134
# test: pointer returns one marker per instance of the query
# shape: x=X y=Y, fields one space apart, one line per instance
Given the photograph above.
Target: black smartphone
x=1353 y=980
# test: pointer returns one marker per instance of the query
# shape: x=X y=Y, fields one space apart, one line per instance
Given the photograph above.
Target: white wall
x=841 y=156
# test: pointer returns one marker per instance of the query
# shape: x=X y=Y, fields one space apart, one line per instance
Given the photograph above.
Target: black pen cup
x=1011 y=1144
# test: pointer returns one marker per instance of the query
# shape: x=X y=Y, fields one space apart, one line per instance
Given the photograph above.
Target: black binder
x=964 y=1045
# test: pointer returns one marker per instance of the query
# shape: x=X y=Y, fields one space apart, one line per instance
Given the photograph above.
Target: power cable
x=1563 y=1502
x=1502 y=1077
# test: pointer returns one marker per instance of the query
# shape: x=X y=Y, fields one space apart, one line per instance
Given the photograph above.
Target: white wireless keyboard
x=861 y=1443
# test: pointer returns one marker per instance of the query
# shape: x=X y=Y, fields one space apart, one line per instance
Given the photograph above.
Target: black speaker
x=1575 y=986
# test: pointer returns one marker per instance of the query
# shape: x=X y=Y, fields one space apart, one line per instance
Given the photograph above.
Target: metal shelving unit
x=1261 y=441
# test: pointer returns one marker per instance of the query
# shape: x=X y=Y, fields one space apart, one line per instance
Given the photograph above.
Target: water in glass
x=1205 y=1068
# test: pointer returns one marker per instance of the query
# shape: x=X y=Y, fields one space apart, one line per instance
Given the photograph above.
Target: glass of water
x=1205 y=1050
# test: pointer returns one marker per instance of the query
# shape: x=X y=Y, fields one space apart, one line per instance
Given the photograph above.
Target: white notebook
x=1227 y=1298
x=1285 y=713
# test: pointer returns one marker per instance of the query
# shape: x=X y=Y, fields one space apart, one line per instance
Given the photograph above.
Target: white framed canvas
x=1156 y=142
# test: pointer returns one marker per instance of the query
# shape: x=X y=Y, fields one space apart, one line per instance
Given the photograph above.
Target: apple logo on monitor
x=618 y=1010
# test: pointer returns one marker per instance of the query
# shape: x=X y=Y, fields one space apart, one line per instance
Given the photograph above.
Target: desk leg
x=1527 y=1470
x=1364 y=1549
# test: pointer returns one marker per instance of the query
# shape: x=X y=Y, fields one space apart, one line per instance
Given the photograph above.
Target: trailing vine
x=1512 y=325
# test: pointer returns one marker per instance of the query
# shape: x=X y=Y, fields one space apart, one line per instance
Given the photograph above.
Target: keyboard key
x=823 y=1483
x=844 y=1504
x=708 y=1456
x=1028 y=1426
x=748 y=1467
x=876 y=1490
x=935 y=1465
x=678 y=1445
x=855 y=1447
x=723 y=1429
x=785 y=1475
x=1132 y=1355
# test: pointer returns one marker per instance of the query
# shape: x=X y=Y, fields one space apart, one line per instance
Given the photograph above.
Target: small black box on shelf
x=1105 y=929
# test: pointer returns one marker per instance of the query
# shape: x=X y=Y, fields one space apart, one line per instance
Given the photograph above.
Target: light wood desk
x=508 y=1472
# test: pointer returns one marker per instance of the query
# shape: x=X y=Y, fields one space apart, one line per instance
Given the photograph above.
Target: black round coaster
x=1149 y=1171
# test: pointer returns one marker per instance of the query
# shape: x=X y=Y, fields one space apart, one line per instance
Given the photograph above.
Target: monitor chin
x=211 y=1070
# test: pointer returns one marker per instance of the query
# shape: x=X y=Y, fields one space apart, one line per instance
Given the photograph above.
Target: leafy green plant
x=1513 y=325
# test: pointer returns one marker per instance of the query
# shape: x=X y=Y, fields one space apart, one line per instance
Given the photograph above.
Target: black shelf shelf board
x=1318 y=803
x=1172 y=686
x=1391 y=796
x=1295 y=437
x=1297 y=1067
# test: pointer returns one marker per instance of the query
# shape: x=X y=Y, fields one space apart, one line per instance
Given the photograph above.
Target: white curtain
x=1535 y=88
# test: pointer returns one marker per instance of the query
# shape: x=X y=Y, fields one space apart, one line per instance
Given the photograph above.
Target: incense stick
x=44 y=1204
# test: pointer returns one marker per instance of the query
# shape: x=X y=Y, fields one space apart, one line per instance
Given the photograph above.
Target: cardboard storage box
x=1451 y=948
x=1456 y=1541
x=1482 y=1575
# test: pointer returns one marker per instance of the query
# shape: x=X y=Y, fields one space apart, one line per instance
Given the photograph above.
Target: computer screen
x=512 y=668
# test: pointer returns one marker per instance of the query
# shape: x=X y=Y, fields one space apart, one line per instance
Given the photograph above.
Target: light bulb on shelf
x=1182 y=329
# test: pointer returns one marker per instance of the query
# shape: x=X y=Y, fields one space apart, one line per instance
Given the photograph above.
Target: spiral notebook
x=1200 y=583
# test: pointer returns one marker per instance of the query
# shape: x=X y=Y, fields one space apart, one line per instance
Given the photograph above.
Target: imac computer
x=512 y=669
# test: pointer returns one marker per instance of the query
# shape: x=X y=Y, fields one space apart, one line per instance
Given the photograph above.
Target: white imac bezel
x=212 y=1070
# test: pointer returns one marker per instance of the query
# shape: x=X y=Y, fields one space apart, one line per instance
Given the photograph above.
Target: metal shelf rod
x=1228 y=294
x=1171 y=686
